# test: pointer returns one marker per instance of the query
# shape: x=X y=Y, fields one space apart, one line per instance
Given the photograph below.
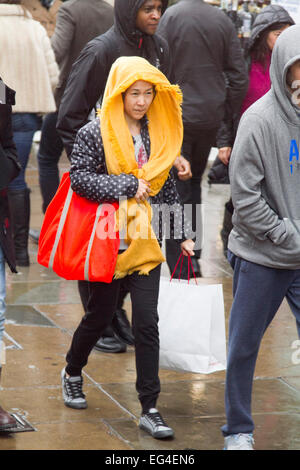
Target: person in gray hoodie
x=264 y=245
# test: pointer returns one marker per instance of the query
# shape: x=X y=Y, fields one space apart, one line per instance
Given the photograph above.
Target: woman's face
x=274 y=35
x=137 y=99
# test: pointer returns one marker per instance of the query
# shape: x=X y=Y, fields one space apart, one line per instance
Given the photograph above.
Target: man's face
x=148 y=16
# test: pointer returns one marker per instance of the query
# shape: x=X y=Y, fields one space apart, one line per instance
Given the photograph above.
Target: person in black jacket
x=133 y=34
x=9 y=169
x=208 y=66
x=88 y=75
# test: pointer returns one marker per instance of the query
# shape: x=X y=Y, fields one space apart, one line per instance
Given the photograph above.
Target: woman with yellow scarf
x=126 y=155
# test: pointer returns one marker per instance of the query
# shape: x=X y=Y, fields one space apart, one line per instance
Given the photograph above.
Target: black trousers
x=99 y=309
x=84 y=292
x=196 y=147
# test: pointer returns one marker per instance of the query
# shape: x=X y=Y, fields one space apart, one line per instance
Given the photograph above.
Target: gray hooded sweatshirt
x=265 y=170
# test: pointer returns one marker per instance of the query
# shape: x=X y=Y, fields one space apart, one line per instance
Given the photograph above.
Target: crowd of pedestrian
x=137 y=94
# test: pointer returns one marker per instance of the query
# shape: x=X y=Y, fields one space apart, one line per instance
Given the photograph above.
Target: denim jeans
x=2 y=296
x=51 y=147
x=258 y=292
x=24 y=126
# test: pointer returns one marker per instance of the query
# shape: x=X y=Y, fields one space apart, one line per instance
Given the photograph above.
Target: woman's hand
x=183 y=168
x=143 y=191
x=187 y=247
x=224 y=154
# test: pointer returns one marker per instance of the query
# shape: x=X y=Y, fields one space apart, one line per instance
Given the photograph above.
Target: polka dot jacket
x=89 y=178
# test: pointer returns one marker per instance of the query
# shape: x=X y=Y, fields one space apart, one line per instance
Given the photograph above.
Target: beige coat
x=27 y=61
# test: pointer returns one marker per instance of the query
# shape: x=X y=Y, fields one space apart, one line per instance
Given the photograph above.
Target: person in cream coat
x=27 y=64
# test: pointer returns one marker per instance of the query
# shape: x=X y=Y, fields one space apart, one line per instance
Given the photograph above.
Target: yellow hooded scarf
x=166 y=133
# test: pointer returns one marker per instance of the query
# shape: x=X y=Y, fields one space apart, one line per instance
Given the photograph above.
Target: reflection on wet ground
x=43 y=311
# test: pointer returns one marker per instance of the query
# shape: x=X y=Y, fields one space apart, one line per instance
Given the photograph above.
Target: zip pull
x=140 y=43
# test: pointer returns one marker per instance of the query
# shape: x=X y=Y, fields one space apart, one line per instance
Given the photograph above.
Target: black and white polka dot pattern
x=89 y=178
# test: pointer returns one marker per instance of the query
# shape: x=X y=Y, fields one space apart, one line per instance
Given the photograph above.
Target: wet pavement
x=43 y=311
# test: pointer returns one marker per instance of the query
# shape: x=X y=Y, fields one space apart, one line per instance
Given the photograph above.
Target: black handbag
x=218 y=173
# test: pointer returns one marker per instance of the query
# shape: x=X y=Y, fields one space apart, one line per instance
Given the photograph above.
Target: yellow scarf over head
x=166 y=133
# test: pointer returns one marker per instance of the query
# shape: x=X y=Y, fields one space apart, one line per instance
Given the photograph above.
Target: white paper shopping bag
x=191 y=326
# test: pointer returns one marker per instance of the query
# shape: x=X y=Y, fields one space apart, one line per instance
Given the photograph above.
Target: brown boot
x=6 y=420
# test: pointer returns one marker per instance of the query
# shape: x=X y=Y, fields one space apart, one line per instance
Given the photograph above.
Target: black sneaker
x=72 y=391
x=153 y=423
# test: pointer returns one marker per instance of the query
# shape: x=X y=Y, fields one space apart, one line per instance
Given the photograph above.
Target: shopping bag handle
x=191 y=264
x=181 y=257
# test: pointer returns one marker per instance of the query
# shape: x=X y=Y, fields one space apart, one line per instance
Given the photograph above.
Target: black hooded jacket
x=207 y=61
x=268 y=16
x=87 y=80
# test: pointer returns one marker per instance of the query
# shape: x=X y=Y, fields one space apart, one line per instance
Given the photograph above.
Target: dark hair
x=260 y=50
x=153 y=88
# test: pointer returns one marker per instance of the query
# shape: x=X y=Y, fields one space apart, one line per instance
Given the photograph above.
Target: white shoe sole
x=159 y=434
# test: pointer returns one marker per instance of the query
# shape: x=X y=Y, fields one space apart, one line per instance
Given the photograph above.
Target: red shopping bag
x=77 y=239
